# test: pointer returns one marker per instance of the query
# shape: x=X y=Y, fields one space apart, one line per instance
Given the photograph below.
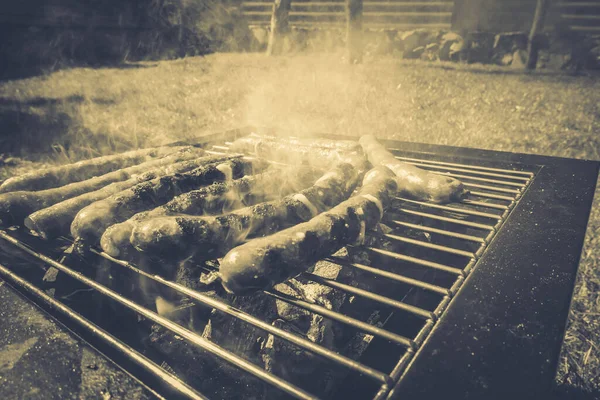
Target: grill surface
x=478 y=287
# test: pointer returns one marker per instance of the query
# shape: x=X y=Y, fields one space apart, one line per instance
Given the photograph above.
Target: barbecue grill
x=473 y=297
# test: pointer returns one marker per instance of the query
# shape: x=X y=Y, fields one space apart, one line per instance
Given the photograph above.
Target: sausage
x=414 y=182
x=204 y=238
x=210 y=200
x=91 y=222
x=15 y=206
x=343 y=145
x=55 y=220
x=81 y=170
x=317 y=157
x=262 y=263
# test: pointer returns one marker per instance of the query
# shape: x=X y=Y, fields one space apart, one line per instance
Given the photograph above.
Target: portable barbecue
x=474 y=305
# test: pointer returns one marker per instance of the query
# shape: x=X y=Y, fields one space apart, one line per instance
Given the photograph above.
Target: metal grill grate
x=440 y=244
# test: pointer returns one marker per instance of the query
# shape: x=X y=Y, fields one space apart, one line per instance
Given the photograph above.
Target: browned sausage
x=79 y=171
x=414 y=182
x=15 y=206
x=264 y=262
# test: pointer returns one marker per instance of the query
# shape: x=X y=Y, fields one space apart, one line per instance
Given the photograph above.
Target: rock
x=447 y=41
x=451 y=36
x=415 y=53
x=508 y=42
x=506 y=59
x=519 y=59
x=456 y=49
x=260 y=34
x=412 y=40
x=480 y=48
x=431 y=52
x=505 y=44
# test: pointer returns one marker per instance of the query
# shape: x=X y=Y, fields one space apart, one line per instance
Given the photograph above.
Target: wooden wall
x=378 y=14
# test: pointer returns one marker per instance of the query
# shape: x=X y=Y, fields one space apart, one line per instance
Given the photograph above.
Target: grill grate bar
x=477 y=167
x=447 y=219
x=190 y=336
x=389 y=275
x=430 y=245
x=223 y=307
x=371 y=296
x=140 y=360
x=491 y=196
x=484 y=204
x=353 y=322
x=452 y=209
x=439 y=231
x=492 y=188
x=427 y=165
x=418 y=261
x=474 y=178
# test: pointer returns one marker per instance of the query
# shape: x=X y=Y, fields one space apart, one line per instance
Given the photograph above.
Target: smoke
x=296 y=97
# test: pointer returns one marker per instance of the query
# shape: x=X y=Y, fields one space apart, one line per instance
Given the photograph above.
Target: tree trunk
x=354 y=30
x=279 y=25
x=537 y=26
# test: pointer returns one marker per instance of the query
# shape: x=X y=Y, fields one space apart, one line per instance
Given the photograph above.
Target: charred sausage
x=55 y=220
x=318 y=157
x=209 y=237
x=91 y=222
x=414 y=182
x=264 y=262
x=15 y=206
x=210 y=200
x=81 y=170
x=343 y=145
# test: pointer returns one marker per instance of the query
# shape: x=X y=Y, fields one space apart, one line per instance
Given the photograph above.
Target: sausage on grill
x=264 y=262
x=15 y=206
x=344 y=145
x=55 y=220
x=81 y=170
x=414 y=182
x=205 y=238
x=318 y=157
x=91 y=222
x=210 y=200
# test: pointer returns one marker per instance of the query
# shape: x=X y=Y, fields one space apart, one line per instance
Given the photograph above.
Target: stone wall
x=559 y=50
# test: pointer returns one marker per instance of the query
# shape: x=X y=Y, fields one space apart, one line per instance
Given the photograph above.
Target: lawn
x=84 y=112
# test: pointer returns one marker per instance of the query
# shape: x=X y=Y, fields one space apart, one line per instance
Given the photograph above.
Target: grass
x=85 y=112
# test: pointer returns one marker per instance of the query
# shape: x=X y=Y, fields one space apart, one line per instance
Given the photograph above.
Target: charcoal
x=211 y=376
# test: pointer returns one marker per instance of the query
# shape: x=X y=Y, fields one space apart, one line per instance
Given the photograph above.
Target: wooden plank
x=575 y=16
x=578 y=4
x=594 y=29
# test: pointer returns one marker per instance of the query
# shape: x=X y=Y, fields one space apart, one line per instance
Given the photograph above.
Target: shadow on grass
x=495 y=70
x=47 y=101
x=37 y=127
x=13 y=72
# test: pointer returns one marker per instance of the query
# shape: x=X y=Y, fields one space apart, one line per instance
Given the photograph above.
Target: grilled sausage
x=91 y=222
x=210 y=200
x=264 y=262
x=55 y=220
x=205 y=238
x=414 y=182
x=343 y=145
x=85 y=169
x=318 y=157
x=15 y=206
